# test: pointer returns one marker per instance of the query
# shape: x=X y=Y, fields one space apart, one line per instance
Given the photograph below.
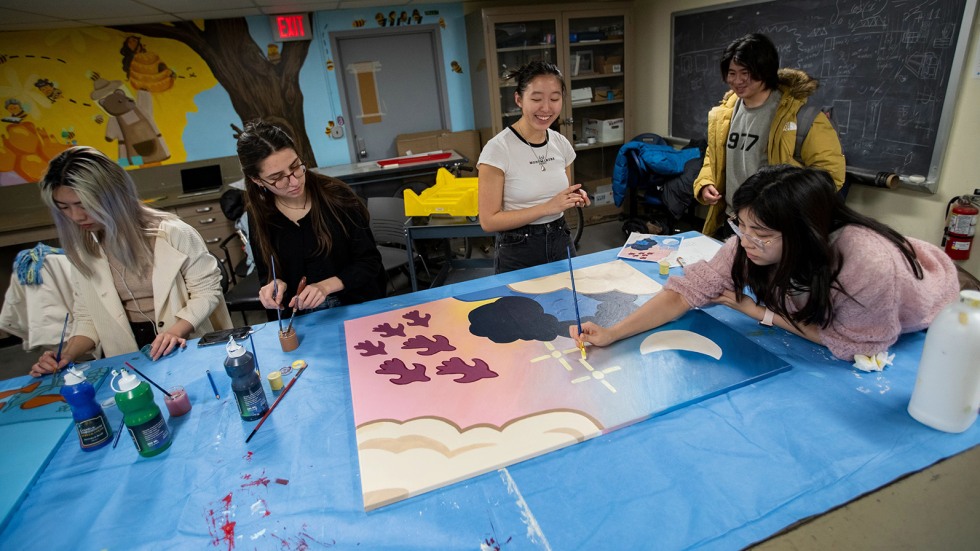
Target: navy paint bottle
x=245 y=382
x=91 y=422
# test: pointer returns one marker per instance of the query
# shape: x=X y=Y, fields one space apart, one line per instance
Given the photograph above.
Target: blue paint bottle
x=245 y=382
x=91 y=423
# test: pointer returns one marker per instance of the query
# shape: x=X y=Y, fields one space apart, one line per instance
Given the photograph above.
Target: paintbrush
x=302 y=285
x=274 y=404
x=149 y=380
x=578 y=318
x=254 y=355
x=275 y=289
x=119 y=431
x=64 y=329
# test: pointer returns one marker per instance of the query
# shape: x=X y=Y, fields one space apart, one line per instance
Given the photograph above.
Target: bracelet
x=767 y=318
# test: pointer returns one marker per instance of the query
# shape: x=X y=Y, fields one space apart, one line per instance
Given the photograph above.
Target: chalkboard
x=888 y=69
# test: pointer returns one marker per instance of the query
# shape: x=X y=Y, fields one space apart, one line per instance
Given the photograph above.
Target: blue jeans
x=532 y=245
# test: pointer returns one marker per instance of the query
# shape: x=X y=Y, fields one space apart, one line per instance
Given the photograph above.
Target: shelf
x=597 y=145
x=590 y=43
x=595 y=103
x=527 y=47
x=593 y=76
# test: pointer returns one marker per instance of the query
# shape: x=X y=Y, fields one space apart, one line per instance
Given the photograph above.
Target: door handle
x=361 y=149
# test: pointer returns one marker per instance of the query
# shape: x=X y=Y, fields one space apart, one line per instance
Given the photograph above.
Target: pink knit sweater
x=887 y=298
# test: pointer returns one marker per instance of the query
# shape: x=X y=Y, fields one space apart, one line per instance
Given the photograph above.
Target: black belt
x=539 y=229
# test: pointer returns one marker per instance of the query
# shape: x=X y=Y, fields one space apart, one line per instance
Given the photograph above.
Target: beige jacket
x=186 y=285
x=36 y=313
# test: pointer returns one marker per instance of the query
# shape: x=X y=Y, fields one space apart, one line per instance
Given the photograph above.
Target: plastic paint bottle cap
x=299 y=364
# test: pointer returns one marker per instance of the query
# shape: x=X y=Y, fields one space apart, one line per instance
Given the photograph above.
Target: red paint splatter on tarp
x=225 y=532
x=261 y=481
x=302 y=544
x=282 y=481
x=248 y=456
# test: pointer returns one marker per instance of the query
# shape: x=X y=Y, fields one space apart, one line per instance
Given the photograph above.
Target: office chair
x=388 y=226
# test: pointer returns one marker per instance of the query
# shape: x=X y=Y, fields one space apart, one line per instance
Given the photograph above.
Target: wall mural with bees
x=162 y=93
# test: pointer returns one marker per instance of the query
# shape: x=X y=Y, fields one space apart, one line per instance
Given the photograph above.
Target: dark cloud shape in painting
x=510 y=319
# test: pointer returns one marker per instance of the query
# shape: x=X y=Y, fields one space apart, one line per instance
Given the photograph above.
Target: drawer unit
x=207 y=218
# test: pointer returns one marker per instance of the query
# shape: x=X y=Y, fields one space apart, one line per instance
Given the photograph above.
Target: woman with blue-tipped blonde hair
x=141 y=276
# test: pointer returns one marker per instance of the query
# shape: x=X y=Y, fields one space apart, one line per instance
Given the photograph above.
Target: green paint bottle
x=141 y=415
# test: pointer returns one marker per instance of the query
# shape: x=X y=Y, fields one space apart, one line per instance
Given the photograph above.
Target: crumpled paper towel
x=873 y=363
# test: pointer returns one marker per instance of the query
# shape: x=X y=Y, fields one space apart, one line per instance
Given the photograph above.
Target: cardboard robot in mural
x=454 y=388
x=130 y=124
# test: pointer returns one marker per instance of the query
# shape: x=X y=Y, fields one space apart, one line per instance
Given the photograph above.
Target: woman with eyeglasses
x=141 y=276
x=817 y=268
x=310 y=225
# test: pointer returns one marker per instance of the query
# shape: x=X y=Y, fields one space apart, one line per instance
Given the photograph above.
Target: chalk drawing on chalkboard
x=890 y=69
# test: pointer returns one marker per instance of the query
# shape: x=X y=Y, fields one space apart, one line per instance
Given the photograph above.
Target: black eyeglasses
x=283 y=180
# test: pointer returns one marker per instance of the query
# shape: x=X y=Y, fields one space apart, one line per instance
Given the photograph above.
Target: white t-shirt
x=525 y=184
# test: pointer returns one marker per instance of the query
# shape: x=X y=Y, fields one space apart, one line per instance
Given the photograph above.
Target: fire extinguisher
x=961 y=225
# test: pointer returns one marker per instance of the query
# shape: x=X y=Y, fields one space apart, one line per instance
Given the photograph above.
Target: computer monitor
x=200 y=180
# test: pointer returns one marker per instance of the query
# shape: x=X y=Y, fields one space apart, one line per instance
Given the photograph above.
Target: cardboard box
x=465 y=142
x=602 y=93
x=580 y=95
x=603 y=198
x=604 y=131
x=609 y=64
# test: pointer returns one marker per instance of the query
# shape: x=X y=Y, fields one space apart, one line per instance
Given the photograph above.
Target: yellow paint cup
x=664 y=267
x=275 y=380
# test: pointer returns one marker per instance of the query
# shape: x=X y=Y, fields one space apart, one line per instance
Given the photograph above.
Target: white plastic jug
x=947 y=389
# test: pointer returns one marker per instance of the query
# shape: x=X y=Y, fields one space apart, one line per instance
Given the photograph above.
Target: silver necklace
x=540 y=160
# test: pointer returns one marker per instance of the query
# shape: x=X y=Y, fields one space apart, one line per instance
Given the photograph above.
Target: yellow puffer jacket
x=821 y=148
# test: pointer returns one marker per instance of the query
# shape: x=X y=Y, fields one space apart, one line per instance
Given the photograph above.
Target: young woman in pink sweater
x=817 y=268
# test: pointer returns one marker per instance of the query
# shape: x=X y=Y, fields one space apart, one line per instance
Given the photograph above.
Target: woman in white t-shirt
x=525 y=176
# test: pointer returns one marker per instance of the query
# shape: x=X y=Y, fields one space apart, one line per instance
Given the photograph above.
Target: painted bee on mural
x=416 y=17
x=330 y=65
x=442 y=23
x=358 y=23
x=381 y=19
x=457 y=68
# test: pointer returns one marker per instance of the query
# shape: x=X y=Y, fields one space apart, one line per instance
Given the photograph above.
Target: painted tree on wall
x=258 y=87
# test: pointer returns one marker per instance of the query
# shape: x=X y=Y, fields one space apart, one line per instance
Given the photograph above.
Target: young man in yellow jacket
x=755 y=125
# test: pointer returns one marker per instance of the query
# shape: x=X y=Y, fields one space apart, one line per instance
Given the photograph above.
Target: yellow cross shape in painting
x=597 y=375
x=556 y=354
x=594 y=374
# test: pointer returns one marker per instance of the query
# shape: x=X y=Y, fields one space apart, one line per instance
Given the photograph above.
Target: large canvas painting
x=457 y=387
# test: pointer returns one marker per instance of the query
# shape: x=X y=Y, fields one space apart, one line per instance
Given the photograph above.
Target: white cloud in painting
x=401 y=460
x=611 y=276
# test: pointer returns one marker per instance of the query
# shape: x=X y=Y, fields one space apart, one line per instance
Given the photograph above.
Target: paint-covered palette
x=454 y=388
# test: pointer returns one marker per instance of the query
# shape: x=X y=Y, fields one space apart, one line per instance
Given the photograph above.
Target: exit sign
x=290 y=26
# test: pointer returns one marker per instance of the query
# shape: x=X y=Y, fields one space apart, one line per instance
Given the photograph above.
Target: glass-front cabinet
x=591 y=48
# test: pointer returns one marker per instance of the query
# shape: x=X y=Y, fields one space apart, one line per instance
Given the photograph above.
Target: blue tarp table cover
x=720 y=474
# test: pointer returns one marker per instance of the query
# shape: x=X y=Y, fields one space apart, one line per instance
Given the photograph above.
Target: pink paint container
x=178 y=403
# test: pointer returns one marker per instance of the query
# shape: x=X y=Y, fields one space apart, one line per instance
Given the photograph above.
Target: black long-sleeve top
x=354 y=257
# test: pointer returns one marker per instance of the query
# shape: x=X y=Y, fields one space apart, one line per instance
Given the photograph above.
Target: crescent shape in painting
x=680 y=340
